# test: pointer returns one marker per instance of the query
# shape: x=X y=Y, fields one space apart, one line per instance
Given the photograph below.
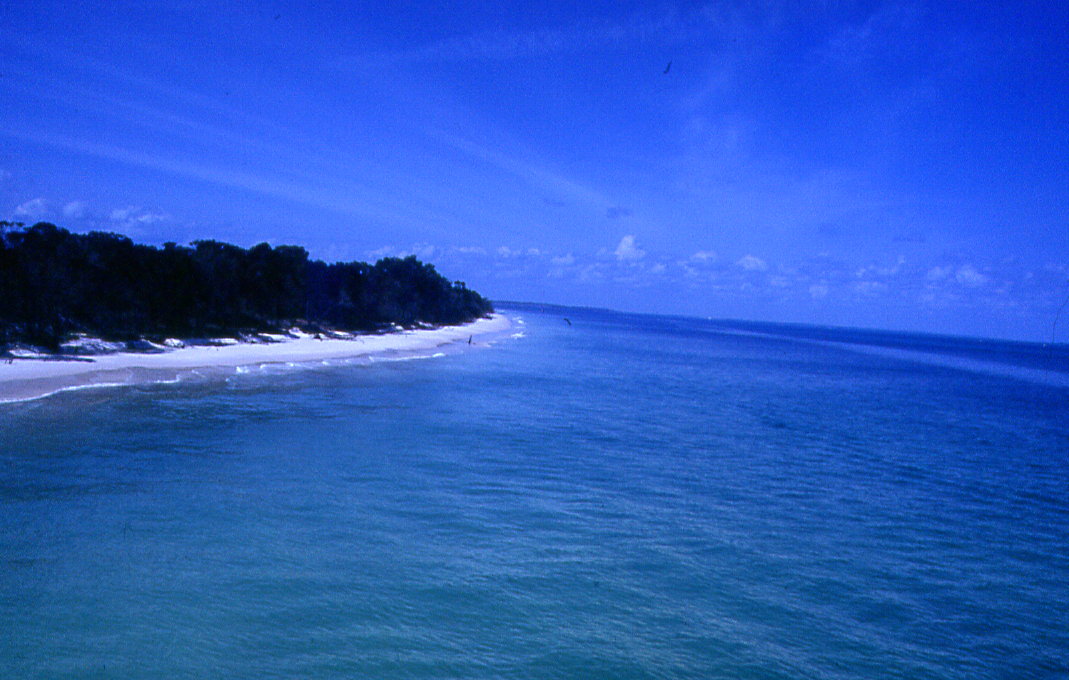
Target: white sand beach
x=30 y=378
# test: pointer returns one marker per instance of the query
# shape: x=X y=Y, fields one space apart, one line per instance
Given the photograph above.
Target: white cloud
x=422 y=251
x=74 y=209
x=123 y=214
x=545 y=179
x=752 y=264
x=152 y=218
x=133 y=216
x=582 y=37
x=818 y=291
x=870 y=287
x=4 y=175
x=336 y=252
x=559 y=264
x=876 y=271
x=880 y=35
x=689 y=271
x=704 y=256
x=34 y=208
x=471 y=250
x=363 y=202
x=968 y=276
x=937 y=273
x=658 y=268
x=627 y=251
x=591 y=272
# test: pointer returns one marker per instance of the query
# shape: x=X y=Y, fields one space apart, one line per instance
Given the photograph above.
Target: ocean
x=596 y=495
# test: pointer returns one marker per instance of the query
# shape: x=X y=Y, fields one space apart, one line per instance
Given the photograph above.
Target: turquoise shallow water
x=625 y=497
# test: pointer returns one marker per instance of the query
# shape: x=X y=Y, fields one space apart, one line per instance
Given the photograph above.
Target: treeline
x=54 y=283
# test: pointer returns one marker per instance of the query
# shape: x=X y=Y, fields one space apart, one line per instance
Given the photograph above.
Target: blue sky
x=893 y=164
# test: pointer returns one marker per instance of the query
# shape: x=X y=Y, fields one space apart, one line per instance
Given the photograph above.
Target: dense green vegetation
x=54 y=283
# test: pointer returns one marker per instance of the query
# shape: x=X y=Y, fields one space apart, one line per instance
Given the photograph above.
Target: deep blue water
x=625 y=497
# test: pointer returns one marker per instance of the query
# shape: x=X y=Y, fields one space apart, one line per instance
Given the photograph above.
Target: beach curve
x=25 y=379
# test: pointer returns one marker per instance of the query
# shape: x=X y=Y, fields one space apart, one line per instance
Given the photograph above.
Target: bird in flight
x=667 y=68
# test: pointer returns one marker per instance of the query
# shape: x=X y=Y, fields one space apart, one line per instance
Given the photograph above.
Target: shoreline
x=25 y=379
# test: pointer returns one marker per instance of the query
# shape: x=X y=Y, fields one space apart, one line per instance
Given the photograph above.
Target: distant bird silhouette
x=568 y=321
x=277 y=17
x=667 y=68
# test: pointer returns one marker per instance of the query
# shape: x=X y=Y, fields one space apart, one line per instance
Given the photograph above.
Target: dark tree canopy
x=54 y=283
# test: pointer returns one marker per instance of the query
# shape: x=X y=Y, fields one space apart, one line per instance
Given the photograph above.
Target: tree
x=54 y=283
